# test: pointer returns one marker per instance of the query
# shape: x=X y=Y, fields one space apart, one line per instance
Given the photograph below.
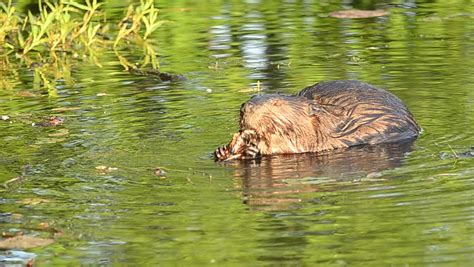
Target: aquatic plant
x=66 y=29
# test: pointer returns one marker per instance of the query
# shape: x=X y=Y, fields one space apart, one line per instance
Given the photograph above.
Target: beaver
x=325 y=116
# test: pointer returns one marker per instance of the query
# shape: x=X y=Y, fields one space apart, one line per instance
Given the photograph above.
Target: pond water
x=402 y=204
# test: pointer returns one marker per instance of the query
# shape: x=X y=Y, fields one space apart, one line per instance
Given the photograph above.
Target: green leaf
x=21 y=40
x=83 y=7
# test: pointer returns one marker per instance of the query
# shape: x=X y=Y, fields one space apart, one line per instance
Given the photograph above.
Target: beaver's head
x=283 y=124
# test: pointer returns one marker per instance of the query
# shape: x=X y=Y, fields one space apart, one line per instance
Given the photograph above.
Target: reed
x=66 y=28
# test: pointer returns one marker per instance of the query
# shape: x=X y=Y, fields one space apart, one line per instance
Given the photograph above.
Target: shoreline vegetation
x=64 y=33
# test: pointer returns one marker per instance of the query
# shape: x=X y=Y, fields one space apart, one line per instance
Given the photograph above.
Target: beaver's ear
x=276 y=102
x=247 y=107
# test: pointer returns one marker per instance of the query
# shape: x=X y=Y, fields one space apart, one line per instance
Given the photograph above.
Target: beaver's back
x=346 y=91
x=364 y=114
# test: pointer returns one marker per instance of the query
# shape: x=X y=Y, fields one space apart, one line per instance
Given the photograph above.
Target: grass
x=66 y=29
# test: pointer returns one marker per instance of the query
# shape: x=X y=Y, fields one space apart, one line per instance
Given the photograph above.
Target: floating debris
x=34 y=201
x=24 y=242
x=63 y=109
x=52 y=121
x=5 y=117
x=27 y=94
x=154 y=73
x=11 y=234
x=358 y=14
x=46 y=227
x=102 y=169
x=457 y=155
x=14 y=182
x=160 y=172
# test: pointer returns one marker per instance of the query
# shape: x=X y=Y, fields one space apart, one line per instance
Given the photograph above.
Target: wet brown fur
x=325 y=116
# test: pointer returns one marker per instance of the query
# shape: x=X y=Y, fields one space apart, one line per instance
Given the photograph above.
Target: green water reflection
x=385 y=205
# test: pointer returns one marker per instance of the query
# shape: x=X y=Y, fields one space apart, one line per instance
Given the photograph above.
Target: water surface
x=401 y=204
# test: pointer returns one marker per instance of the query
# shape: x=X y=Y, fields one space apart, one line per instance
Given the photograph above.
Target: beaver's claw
x=222 y=153
x=251 y=151
x=243 y=146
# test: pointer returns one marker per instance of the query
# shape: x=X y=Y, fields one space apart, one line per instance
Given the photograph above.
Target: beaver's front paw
x=250 y=152
x=242 y=146
x=221 y=153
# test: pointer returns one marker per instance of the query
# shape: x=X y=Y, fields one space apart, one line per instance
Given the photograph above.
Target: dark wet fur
x=325 y=116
